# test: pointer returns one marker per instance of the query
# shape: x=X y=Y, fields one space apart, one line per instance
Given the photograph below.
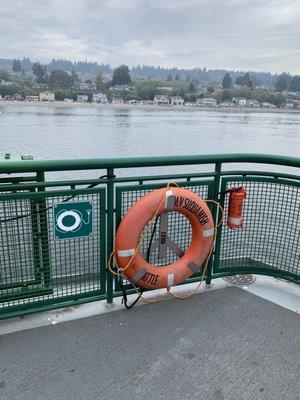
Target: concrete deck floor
x=221 y=345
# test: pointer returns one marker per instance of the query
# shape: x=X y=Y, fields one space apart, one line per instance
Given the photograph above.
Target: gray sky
x=234 y=34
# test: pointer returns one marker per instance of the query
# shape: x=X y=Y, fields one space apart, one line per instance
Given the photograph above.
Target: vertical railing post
x=110 y=229
x=215 y=215
x=43 y=225
x=36 y=239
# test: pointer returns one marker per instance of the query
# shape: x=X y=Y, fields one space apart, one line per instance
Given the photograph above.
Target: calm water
x=70 y=132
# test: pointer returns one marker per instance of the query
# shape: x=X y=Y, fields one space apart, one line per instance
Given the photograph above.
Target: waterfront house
x=87 y=86
x=122 y=88
x=47 y=96
x=32 y=98
x=165 y=88
x=291 y=103
x=146 y=102
x=296 y=103
x=288 y=104
x=240 y=101
x=82 y=98
x=176 y=101
x=288 y=92
x=117 y=101
x=6 y=83
x=16 y=97
x=42 y=86
x=68 y=100
x=161 y=100
x=227 y=104
x=267 y=105
x=253 y=103
x=206 y=102
x=99 y=98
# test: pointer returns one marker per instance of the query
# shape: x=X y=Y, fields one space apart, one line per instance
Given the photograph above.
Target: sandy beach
x=62 y=104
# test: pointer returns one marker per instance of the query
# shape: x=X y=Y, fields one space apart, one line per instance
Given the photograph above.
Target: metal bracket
x=164 y=241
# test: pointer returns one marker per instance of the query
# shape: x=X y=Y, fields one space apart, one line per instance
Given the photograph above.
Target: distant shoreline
x=62 y=104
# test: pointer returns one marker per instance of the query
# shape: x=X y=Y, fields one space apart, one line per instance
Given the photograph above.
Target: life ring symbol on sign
x=75 y=215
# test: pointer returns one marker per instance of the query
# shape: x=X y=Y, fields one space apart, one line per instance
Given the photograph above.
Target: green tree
x=99 y=82
x=40 y=72
x=4 y=75
x=249 y=81
x=16 y=67
x=146 y=90
x=74 y=76
x=282 y=81
x=276 y=99
x=227 y=95
x=177 y=77
x=218 y=95
x=192 y=88
x=190 y=97
x=245 y=91
x=244 y=80
x=261 y=96
x=169 y=78
x=210 y=89
x=121 y=76
x=226 y=82
x=180 y=91
x=188 y=78
x=60 y=78
x=294 y=85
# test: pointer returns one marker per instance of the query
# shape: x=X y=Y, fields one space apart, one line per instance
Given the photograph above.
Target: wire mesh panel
x=176 y=226
x=37 y=263
x=17 y=244
x=269 y=240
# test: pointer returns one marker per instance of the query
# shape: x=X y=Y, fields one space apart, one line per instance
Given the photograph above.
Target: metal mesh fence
x=17 y=247
x=271 y=231
x=36 y=265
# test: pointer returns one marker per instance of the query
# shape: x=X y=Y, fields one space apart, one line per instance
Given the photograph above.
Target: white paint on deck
x=283 y=293
x=279 y=291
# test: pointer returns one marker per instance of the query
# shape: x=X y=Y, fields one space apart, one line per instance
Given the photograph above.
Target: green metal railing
x=40 y=269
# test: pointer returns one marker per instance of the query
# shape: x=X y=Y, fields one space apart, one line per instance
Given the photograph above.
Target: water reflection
x=58 y=132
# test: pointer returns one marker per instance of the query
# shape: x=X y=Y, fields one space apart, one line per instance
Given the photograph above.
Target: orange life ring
x=136 y=268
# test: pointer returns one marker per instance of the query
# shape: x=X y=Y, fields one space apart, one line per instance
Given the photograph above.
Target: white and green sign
x=72 y=220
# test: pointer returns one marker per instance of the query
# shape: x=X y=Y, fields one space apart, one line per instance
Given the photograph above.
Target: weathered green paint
x=43 y=233
x=110 y=229
x=135 y=162
x=215 y=214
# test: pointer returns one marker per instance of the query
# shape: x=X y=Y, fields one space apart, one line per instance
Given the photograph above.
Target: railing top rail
x=39 y=165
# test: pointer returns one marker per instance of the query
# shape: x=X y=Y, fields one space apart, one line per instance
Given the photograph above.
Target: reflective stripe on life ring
x=139 y=271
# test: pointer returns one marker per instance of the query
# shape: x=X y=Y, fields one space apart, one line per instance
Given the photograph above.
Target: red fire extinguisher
x=235 y=207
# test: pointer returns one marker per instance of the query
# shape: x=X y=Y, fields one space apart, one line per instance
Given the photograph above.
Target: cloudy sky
x=234 y=34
